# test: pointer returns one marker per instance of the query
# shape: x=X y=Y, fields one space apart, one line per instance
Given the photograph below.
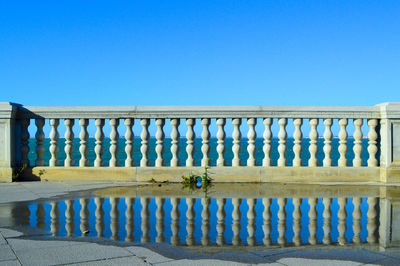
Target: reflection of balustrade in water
x=213 y=221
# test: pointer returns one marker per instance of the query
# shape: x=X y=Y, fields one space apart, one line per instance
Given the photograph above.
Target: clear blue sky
x=199 y=52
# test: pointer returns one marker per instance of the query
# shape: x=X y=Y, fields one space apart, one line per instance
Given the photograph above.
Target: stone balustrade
x=380 y=142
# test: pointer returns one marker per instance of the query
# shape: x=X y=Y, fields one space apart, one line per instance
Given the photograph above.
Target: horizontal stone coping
x=201 y=112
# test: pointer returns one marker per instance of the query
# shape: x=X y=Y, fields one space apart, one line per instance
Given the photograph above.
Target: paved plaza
x=30 y=246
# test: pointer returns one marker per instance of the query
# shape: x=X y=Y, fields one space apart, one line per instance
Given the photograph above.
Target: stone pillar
x=389 y=141
x=8 y=140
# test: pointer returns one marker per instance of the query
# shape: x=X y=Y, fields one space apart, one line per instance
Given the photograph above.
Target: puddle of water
x=226 y=215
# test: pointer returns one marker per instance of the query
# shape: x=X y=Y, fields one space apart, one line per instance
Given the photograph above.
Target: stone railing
x=382 y=145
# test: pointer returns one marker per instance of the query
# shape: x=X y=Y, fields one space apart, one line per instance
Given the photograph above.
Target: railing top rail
x=256 y=111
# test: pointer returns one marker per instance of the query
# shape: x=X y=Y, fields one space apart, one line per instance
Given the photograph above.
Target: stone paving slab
x=26 y=244
x=70 y=254
x=2 y=240
x=9 y=233
x=132 y=260
x=359 y=256
x=208 y=262
x=23 y=231
x=10 y=263
x=164 y=253
x=30 y=247
x=23 y=191
x=387 y=261
x=148 y=255
x=15 y=196
x=244 y=257
x=6 y=253
x=313 y=262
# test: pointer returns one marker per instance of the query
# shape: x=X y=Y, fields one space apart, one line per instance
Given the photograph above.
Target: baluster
x=251 y=147
x=175 y=142
x=326 y=214
x=114 y=136
x=84 y=214
x=129 y=201
x=99 y=149
x=69 y=142
x=221 y=142
x=356 y=219
x=251 y=227
x=22 y=216
x=190 y=222
x=371 y=214
x=160 y=220
x=281 y=221
x=385 y=219
x=342 y=220
x=267 y=142
x=236 y=221
x=312 y=226
x=25 y=141
x=39 y=141
x=296 y=222
x=267 y=222
x=220 y=221
x=114 y=214
x=327 y=142
x=357 y=161
x=205 y=223
x=190 y=136
x=54 y=214
x=129 y=122
x=372 y=137
x=40 y=214
x=205 y=147
x=342 y=142
x=69 y=217
x=282 y=141
x=144 y=148
x=145 y=226
x=175 y=221
x=160 y=142
x=83 y=148
x=54 y=136
x=236 y=135
x=99 y=216
x=297 y=135
x=313 y=149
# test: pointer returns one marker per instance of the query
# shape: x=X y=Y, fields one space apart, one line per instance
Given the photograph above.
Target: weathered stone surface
x=70 y=254
x=6 y=253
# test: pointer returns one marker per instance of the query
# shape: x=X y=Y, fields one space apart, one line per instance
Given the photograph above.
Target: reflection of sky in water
x=44 y=220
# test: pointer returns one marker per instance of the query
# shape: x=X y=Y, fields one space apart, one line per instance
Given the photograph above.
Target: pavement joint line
x=15 y=254
x=140 y=257
x=104 y=259
x=149 y=250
